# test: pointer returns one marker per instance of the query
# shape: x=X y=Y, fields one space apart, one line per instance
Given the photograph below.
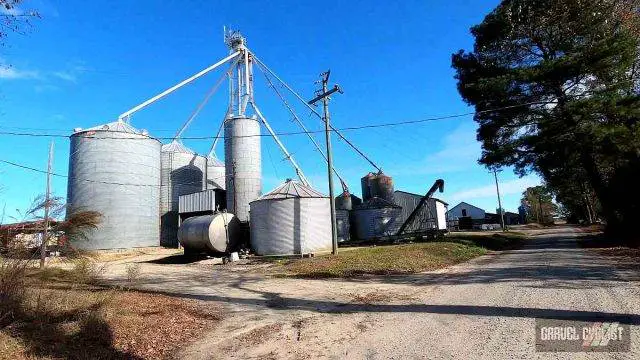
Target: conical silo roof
x=291 y=189
x=176 y=147
x=116 y=126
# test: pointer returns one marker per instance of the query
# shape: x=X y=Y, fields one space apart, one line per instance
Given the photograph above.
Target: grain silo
x=243 y=164
x=291 y=219
x=215 y=173
x=115 y=169
x=375 y=218
x=183 y=172
x=377 y=185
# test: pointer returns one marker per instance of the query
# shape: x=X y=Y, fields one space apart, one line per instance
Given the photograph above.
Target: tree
x=555 y=85
x=76 y=226
x=538 y=204
x=13 y=19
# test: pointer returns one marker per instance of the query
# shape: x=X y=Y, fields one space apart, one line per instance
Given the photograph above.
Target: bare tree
x=14 y=19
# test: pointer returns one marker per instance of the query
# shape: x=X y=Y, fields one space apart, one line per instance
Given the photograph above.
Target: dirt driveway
x=483 y=309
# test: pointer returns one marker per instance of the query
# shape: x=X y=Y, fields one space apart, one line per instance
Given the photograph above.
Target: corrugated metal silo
x=215 y=173
x=342 y=225
x=242 y=156
x=115 y=169
x=291 y=219
x=376 y=218
x=377 y=185
x=183 y=172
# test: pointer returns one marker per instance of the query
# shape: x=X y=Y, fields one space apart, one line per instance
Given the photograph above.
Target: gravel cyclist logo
x=576 y=336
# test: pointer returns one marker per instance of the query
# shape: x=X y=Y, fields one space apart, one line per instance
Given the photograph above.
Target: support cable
x=304 y=128
x=289 y=157
x=315 y=112
x=204 y=102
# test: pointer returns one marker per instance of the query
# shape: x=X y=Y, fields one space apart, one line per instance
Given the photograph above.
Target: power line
x=350 y=128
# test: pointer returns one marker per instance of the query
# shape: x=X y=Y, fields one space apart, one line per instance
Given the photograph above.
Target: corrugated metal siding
x=429 y=216
x=242 y=158
x=182 y=173
x=130 y=212
x=375 y=223
x=196 y=202
x=290 y=226
x=343 y=226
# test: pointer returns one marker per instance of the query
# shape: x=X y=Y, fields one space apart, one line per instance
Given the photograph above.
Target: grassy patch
x=492 y=241
x=381 y=260
x=63 y=314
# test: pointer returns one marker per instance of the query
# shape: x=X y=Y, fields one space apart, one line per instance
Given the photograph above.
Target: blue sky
x=85 y=62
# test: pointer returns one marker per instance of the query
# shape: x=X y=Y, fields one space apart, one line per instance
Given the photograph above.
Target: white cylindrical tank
x=215 y=173
x=291 y=219
x=183 y=172
x=242 y=159
x=212 y=234
x=114 y=169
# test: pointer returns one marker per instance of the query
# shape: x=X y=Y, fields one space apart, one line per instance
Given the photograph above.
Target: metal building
x=243 y=164
x=202 y=202
x=182 y=172
x=215 y=173
x=376 y=218
x=433 y=216
x=115 y=169
x=291 y=219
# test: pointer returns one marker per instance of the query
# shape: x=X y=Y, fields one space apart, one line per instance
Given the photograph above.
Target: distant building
x=466 y=210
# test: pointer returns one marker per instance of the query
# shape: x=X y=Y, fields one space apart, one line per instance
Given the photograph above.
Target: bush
x=85 y=271
x=133 y=272
x=12 y=288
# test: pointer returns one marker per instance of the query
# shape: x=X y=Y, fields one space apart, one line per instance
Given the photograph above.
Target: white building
x=465 y=210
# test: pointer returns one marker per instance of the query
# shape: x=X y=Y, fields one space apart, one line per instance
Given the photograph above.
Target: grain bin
x=114 y=169
x=242 y=157
x=211 y=234
x=377 y=185
x=342 y=225
x=375 y=219
x=215 y=173
x=291 y=219
x=183 y=172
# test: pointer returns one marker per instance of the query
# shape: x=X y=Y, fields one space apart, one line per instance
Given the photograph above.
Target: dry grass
x=378 y=297
x=60 y=317
x=380 y=260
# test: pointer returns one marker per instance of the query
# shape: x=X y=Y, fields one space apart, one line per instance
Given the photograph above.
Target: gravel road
x=483 y=309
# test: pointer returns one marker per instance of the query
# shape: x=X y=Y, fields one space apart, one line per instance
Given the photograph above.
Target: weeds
x=85 y=271
x=133 y=272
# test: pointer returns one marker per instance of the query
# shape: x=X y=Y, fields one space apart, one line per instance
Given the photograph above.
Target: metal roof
x=212 y=160
x=421 y=196
x=176 y=147
x=116 y=126
x=376 y=203
x=291 y=189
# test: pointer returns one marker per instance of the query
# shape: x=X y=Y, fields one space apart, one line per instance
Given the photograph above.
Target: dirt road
x=483 y=309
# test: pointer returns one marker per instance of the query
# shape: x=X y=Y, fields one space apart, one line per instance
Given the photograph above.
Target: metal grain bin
x=376 y=218
x=183 y=172
x=115 y=169
x=211 y=234
x=215 y=173
x=242 y=157
x=342 y=225
x=291 y=219
x=377 y=185
x=343 y=201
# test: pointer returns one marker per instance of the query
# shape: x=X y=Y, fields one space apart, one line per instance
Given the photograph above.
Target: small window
x=464 y=212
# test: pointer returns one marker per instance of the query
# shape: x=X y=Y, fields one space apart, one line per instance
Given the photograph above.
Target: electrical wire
x=350 y=128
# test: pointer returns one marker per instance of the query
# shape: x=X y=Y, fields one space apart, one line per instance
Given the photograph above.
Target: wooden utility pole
x=47 y=204
x=323 y=95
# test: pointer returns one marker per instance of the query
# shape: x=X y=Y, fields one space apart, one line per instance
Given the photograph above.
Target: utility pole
x=47 y=196
x=323 y=94
x=495 y=175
